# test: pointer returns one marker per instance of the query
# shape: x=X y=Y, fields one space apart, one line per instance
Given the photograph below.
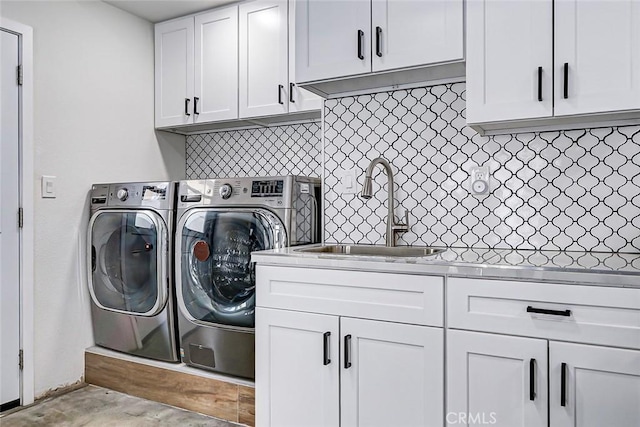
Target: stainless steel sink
x=371 y=250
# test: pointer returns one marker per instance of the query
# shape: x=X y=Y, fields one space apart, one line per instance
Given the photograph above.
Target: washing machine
x=129 y=266
x=220 y=222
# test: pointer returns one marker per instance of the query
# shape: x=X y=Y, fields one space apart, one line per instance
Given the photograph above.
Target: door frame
x=26 y=191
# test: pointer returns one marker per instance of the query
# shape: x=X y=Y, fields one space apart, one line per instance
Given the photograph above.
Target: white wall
x=93 y=115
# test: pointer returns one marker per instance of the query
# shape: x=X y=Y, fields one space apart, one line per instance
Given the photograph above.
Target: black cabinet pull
x=360 y=44
x=186 y=106
x=532 y=379
x=347 y=351
x=325 y=348
x=566 y=80
x=280 y=87
x=566 y=313
x=563 y=385
x=291 y=86
x=195 y=105
x=379 y=41
x=539 y=84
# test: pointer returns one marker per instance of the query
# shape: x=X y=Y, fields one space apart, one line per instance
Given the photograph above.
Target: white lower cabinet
x=323 y=370
x=496 y=379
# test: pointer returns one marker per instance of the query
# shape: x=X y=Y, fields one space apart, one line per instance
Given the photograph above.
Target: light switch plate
x=48 y=187
x=348 y=182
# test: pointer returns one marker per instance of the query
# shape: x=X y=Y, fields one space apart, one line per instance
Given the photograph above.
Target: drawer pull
x=565 y=313
x=347 y=351
x=532 y=379
x=326 y=349
x=563 y=385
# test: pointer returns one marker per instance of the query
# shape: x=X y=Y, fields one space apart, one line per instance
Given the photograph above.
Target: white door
x=391 y=374
x=600 y=386
x=216 y=65
x=509 y=60
x=9 y=232
x=264 y=83
x=297 y=359
x=408 y=33
x=599 y=41
x=174 y=72
x=299 y=99
x=496 y=379
x=333 y=38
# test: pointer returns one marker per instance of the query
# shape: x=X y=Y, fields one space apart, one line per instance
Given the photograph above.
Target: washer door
x=126 y=264
x=215 y=275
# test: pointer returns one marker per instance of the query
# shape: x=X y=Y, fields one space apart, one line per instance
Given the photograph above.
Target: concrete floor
x=96 y=406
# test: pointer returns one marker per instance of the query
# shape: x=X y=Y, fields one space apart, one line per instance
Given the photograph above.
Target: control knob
x=225 y=191
x=122 y=194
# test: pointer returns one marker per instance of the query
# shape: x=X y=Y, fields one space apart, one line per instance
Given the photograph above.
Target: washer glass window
x=217 y=275
x=124 y=261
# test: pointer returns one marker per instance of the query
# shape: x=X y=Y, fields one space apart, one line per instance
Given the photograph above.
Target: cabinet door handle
x=539 y=84
x=563 y=384
x=195 y=105
x=186 y=106
x=291 y=86
x=379 y=41
x=360 y=44
x=325 y=348
x=532 y=379
x=280 y=87
x=566 y=80
x=347 y=351
x=565 y=313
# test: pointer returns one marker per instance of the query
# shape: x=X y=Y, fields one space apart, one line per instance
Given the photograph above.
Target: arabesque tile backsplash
x=564 y=190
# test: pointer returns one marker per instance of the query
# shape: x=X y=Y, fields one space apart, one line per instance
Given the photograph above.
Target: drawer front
x=394 y=297
x=589 y=314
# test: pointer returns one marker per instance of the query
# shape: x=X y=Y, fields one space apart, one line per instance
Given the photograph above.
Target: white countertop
x=591 y=268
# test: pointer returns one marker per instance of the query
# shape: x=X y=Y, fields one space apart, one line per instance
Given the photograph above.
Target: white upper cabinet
x=509 y=61
x=543 y=65
x=174 y=72
x=333 y=38
x=216 y=65
x=264 y=83
x=407 y=33
x=599 y=41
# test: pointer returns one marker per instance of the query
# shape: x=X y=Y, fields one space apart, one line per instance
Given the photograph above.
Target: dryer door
x=215 y=275
x=127 y=261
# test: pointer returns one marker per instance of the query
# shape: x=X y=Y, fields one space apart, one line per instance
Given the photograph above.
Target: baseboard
x=199 y=393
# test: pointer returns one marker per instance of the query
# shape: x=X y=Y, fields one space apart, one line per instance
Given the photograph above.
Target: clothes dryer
x=129 y=265
x=220 y=222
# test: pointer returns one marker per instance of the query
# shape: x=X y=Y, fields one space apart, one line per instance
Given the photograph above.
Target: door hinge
x=20 y=218
x=21 y=359
x=19 y=75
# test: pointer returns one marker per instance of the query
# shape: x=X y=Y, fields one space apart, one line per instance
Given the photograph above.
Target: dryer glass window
x=125 y=261
x=217 y=275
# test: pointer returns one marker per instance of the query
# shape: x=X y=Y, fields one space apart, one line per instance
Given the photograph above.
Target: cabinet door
x=264 y=83
x=408 y=33
x=299 y=99
x=490 y=380
x=296 y=369
x=601 y=386
x=216 y=65
x=600 y=43
x=333 y=38
x=392 y=374
x=509 y=60
x=174 y=72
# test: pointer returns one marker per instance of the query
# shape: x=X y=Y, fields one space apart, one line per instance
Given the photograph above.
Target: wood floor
x=208 y=396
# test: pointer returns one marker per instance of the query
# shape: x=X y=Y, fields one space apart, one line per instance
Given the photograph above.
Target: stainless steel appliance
x=220 y=222
x=129 y=259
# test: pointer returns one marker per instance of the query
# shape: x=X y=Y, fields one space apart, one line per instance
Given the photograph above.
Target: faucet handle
x=402 y=227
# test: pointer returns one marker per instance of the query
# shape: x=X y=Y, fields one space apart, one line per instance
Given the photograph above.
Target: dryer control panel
x=156 y=195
